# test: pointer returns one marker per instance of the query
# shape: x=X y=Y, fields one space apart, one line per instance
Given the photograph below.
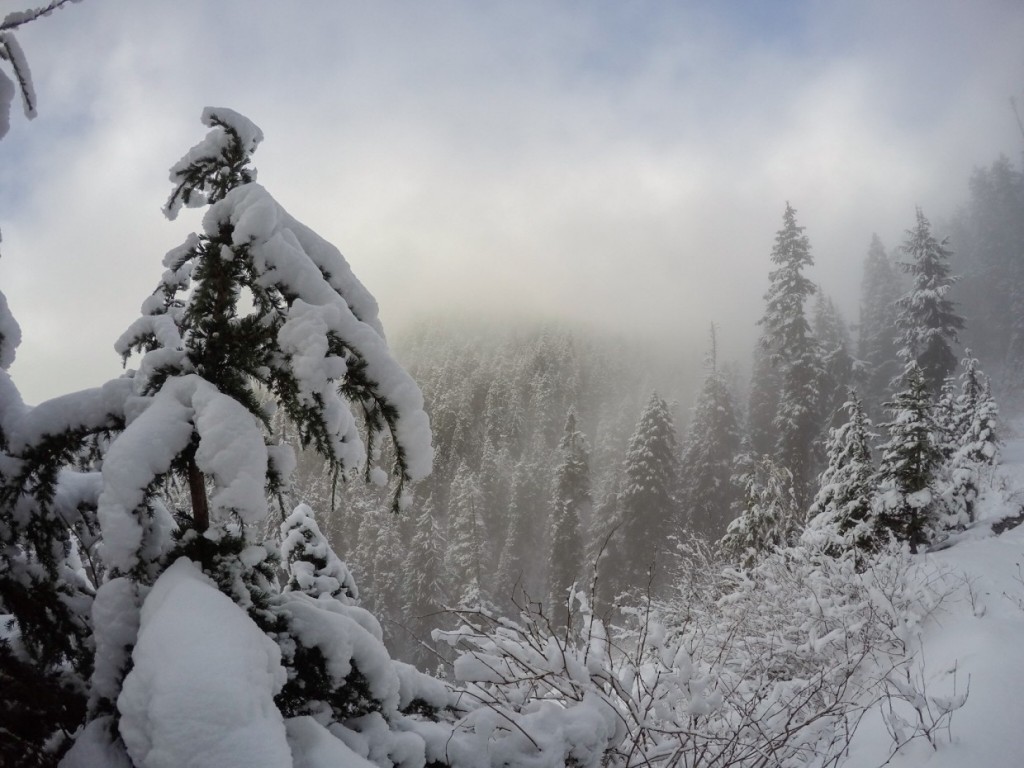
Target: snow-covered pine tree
x=979 y=416
x=706 y=493
x=787 y=336
x=188 y=618
x=836 y=362
x=876 y=345
x=947 y=419
x=763 y=400
x=906 y=502
x=971 y=443
x=927 y=320
x=841 y=516
x=570 y=508
x=466 y=537
x=424 y=581
x=49 y=490
x=647 y=508
x=770 y=515
x=522 y=567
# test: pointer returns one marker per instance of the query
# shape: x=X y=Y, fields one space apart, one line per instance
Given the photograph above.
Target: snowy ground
x=977 y=638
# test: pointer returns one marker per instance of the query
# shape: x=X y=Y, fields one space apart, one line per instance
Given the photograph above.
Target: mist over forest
x=664 y=411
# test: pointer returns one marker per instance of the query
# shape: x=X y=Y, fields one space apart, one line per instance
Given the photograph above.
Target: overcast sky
x=624 y=163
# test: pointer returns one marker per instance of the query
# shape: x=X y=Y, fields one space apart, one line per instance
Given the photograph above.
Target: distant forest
x=529 y=419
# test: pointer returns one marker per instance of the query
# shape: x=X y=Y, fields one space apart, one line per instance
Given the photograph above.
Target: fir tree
x=971 y=444
x=706 y=493
x=647 y=507
x=312 y=343
x=905 y=506
x=876 y=344
x=927 y=321
x=466 y=537
x=522 y=567
x=424 y=580
x=836 y=362
x=572 y=497
x=791 y=347
x=770 y=514
x=763 y=401
x=841 y=516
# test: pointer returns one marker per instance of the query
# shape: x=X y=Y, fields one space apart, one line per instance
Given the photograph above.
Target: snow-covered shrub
x=773 y=665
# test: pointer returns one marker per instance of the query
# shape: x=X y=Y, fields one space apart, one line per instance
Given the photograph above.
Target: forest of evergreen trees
x=842 y=429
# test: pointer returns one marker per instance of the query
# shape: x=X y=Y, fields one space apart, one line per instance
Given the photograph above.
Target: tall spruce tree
x=424 y=581
x=706 y=493
x=836 y=362
x=788 y=339
x=647 y=508
x=571 y=502
x=877 y=351
x=906 y=503
x=464 y=564
x=841 y=516
x=927 y=321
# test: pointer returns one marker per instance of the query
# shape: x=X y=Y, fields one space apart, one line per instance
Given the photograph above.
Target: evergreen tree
x=647 y=506
x=49 y=493
x=836 y=362
x=706 y=493
x=971 y=444
x=990 y=240
x=906 y=504
x=522 y=567
x=572 y=497
x=791 y=347
x=312 y=342
x=466 y=537
x=770 y=514
x=876 y=344
x=841 y=516
x=763 y=401
x=424 y=581
x=927 y=321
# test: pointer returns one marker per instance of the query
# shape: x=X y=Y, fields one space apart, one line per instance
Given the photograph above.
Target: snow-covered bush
x=769 y=666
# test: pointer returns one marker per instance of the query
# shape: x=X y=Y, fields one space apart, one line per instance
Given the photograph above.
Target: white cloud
x=625 y=163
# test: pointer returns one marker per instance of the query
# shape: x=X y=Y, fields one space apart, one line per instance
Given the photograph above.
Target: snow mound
x=201 y=691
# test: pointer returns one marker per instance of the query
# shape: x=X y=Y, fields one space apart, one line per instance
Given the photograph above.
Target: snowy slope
x=976 y=639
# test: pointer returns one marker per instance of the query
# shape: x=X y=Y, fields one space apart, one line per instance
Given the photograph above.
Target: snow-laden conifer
x=569 y=508
x=906 y=503
x=841 y=516
x=423 y=572
x=49 y=558
x=647 y=506
x=771 y=515
x=706 y=493
x=790 y=344
x=971 y=444
x=836 y=362
x=309 y=343
x=466 y=536
x=877 y=351
x=927 y=321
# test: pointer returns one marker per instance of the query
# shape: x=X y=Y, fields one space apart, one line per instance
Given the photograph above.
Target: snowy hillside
x=974 y=640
